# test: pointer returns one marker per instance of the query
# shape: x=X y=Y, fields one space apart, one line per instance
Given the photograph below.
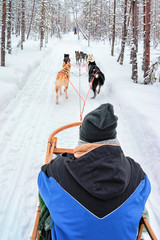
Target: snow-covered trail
x=30 y=118
x=26 y=125
x=19 y=149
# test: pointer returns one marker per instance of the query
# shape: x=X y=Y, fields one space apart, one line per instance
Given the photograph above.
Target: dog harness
x=65 y=72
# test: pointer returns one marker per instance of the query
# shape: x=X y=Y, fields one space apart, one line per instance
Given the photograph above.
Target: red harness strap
x=86 y=98
x=84 y=101
x=65 y=73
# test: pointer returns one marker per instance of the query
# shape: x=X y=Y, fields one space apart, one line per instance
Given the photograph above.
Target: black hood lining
x=104 y=172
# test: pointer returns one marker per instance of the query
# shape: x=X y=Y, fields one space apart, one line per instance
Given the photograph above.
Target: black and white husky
x=96 y=75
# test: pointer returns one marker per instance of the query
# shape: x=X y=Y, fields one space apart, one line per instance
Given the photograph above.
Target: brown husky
x=77 y=55
x=62 y=79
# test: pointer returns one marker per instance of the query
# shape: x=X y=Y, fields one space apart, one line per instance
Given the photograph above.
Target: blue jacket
x=73 y=221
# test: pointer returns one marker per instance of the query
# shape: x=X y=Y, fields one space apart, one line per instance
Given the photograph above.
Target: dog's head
x=66 y=58
x=66 y=61
x=77 y=53
x=90 y=58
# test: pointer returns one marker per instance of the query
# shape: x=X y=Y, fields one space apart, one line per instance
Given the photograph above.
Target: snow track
x=31 y=117
x=20 y=144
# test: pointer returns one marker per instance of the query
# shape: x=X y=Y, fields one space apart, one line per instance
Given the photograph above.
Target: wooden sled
x=52 y=148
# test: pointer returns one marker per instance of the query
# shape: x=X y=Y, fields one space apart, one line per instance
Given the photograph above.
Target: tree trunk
x=3 y=34
x=135 y=41
x=23 y=25
x=42 y=24
x=123 y=46
x=124 y=34
x=89 y=24
x=109 y=21
x=9 y=26
x=30 y=25
x=144 y=31
x=18 y=19
x=114 y=27
x=147 y=38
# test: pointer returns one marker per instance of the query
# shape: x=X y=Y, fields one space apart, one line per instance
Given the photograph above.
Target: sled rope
x=78 y=75
x=76 y=90
x=81 y=114
x=84 y=65
x=84 y=101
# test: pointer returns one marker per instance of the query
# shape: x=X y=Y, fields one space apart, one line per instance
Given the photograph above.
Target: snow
x=28 y=115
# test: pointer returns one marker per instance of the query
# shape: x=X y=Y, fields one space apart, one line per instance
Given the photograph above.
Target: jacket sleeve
x=44 y=187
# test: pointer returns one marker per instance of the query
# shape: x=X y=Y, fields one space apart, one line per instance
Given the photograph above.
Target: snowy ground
x=28 y=115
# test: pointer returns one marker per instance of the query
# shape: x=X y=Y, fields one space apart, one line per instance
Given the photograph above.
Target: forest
x=127 y=21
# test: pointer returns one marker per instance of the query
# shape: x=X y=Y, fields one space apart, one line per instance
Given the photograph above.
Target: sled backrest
x=52 y=142
x=51 y=149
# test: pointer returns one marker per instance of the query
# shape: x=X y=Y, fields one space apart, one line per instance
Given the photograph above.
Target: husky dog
x=77 y=55
x=63 y=79
x=96 y=75
x=84 y=57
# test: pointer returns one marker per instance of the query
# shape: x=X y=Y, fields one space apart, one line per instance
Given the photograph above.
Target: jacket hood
x=104 y=171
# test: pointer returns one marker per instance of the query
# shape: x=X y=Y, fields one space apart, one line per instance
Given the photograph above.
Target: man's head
x=99 y=124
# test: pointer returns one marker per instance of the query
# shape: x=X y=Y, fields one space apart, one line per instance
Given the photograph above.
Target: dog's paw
x=93 y=97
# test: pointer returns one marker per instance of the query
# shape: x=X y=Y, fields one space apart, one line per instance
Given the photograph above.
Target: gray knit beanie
x=99 y=124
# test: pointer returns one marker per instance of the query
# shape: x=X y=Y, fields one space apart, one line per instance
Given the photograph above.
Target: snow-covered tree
x=3 y=31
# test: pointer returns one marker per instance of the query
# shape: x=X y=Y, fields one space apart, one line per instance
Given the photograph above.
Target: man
x=75 y=30
x=97 y=193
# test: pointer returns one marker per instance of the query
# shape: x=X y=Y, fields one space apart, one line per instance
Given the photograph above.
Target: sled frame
x=144 y=223
x=51 y=149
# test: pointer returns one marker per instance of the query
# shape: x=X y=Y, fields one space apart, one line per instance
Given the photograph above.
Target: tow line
x=80 y=97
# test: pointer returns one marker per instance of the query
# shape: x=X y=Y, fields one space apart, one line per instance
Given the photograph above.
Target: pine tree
x=22 y=24
x=9 y=26
x=147 y=38
x=30 y=25
x=134 y=41
x=114 y=27
x=3 y=33
x=124 y=34
x=42 y=23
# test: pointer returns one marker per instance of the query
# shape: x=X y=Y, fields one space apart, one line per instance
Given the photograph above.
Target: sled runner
x=53 y=149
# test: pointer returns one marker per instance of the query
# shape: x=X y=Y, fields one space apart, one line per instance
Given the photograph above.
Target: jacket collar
x=81 y=150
